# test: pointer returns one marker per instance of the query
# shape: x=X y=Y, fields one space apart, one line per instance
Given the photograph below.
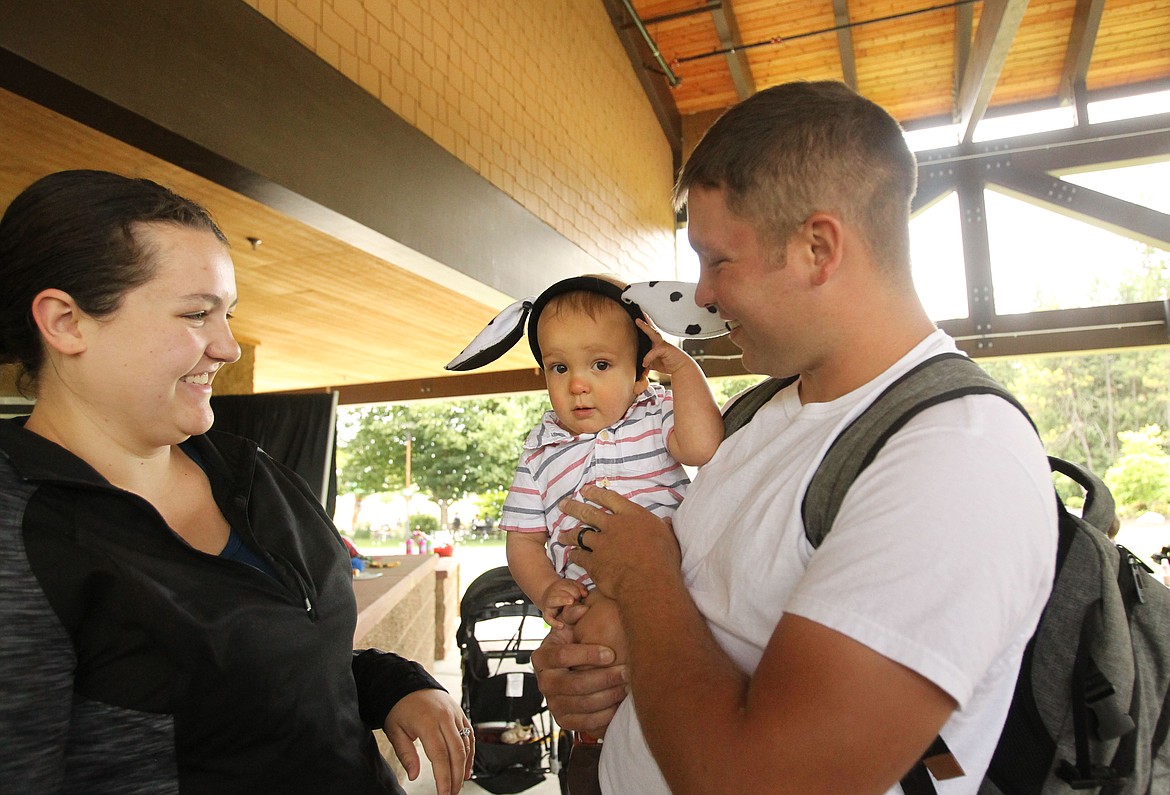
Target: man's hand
x=580 y=700
x=629 y=545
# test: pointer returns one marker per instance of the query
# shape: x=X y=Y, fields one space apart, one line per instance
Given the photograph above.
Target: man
x=758 y=664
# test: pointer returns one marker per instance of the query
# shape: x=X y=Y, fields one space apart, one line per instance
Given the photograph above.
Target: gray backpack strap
x=939 y=379
x=739 y=412
x=1099 y=508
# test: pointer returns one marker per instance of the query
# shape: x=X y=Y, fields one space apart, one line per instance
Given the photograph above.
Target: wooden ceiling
x=926 y=61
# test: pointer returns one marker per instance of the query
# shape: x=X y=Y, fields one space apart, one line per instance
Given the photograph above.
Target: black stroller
x=516 y=740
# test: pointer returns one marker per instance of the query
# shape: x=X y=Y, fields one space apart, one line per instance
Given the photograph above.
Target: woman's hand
x=447 y=737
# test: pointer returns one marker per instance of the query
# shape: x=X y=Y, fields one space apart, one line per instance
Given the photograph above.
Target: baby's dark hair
x=75 y=231
x=588 y=294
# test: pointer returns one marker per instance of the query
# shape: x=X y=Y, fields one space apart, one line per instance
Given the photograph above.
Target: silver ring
x=581 y=538
x=464 y=732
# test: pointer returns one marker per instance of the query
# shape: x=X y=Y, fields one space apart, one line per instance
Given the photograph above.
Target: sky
x=1040 y=259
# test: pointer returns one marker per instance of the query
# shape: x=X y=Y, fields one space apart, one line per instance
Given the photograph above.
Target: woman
x=177 y=609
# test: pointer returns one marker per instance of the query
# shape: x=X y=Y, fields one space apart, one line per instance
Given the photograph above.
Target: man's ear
x=826 y=235
x=57 y=316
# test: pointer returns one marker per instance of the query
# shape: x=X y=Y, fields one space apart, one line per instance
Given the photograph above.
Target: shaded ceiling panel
x=705 y=82
x=1133 y=44
x=907 y=62
x=799 y=44
x=1035 y=65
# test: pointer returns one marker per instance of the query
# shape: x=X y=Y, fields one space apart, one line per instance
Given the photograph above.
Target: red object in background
x=445 y=551
x=353 y=551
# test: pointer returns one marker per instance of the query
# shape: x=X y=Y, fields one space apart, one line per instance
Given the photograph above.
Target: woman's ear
x=57 y=316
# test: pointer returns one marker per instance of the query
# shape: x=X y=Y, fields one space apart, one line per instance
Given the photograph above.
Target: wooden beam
x=997 y=28
x=443 y=387
x=689 y=12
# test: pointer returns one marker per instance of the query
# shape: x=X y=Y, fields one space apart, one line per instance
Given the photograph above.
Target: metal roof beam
x=1104 y=145
x=964 y=29
x=730 y=40
x=934 y=183
x=1134 y=221
x=1081 y=39
x=1031 y=333
x=1118 y=144
x=997 y=28
x=845 y=42
x=1065 y=330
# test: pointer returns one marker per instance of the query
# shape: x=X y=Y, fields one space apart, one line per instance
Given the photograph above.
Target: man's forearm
x=821 y=713
x=688 y=694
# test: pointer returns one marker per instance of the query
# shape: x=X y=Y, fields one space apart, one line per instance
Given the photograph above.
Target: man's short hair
x=803 y=147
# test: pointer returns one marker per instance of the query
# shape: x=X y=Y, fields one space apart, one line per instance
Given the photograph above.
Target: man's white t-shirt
x=941 y=557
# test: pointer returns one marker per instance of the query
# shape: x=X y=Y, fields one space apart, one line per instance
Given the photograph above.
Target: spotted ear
x=497 y=338
x=671 y=306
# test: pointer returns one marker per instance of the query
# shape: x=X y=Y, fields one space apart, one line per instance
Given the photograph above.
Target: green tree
x=370 y=460
x=727 y=387
x=457 y=448
x=491 y=504
x=1082 y=403
x=1140 y=480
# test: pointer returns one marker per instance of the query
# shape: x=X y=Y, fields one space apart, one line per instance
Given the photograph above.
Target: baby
x=608 y=426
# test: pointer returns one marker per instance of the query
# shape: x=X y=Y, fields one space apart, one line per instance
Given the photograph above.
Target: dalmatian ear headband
x=670 y=306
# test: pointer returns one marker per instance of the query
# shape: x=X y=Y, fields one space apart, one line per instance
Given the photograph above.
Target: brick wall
x=537 y=96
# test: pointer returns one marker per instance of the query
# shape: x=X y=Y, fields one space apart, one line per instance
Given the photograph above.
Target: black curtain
x=297 y=430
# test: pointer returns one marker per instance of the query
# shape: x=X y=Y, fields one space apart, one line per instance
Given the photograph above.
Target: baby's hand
x=663 y=357
x=558 y=596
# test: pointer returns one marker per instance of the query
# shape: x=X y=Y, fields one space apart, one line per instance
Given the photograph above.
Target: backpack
x=1090 y=709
